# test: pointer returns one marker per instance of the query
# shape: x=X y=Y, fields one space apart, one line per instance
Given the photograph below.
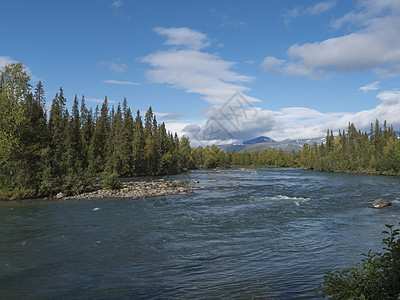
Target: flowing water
x=249 y=233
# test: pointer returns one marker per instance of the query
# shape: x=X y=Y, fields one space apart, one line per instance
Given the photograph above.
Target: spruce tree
x=56 y=156
x=127 y=137
x=98 y=147
x=87 y=128
x=138 y=144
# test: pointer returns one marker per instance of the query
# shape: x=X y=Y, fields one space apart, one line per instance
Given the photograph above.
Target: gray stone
x=381 y=203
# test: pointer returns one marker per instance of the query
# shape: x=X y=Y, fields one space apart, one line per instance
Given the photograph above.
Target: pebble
x=140 y=189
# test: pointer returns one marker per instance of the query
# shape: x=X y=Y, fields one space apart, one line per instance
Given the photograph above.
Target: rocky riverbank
x=140 y=189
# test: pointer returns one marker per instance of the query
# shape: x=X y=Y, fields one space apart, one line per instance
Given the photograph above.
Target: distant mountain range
x=263 y=142
x=258 y=140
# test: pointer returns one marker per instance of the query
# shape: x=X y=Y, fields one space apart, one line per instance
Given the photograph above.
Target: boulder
x=381 y=203
x=60 y=196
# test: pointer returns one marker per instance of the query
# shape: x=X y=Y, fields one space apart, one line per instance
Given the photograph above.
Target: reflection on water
x=268 y=234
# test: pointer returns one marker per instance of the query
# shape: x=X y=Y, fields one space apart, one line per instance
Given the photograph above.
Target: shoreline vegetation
x=44 y=154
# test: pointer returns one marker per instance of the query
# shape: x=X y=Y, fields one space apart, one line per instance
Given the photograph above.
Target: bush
x=11 y=195
x=111 y=182
x=376 y=277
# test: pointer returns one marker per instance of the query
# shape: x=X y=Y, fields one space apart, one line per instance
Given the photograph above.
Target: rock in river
x=381 y=203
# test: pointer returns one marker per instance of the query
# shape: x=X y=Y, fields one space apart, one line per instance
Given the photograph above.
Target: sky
x=217 y=71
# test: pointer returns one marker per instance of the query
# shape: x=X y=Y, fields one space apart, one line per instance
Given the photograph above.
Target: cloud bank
x=235 y=123
x=371 y=87
x=318 y=8
x=111 y=81
x=187 y=66
x=377 y=26
x=233 y=116
x=115 y=66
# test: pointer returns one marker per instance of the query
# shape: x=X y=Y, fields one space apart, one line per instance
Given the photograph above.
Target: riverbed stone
x=381 y=203
x=60 y=196
x=142 y=189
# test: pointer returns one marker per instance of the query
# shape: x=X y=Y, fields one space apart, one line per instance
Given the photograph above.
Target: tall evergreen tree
x=74 y=139
x=98 y=147
x=127 y=137
x=138 y=145
x=87 y=128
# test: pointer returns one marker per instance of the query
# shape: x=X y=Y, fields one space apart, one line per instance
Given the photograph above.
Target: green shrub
x=10 y=195
x=376 y=277
x=111 y=182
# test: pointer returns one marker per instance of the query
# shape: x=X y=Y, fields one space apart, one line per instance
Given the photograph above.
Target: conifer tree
x=127 y=136
x=98 y=147
x=185 y=153
x=87 y=128
x=74 y=139
x=138 y=145
x=34 y=139
x=115 y=143
x=55 y=156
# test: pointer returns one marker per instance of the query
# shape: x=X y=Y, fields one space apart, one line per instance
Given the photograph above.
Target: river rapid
x=246 y=233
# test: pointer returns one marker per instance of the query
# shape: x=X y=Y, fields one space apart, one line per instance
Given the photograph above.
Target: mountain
x=319 y=141
x=260 y=139
x=263 y=142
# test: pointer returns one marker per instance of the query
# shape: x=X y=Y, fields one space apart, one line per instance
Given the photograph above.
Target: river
x=249 y=233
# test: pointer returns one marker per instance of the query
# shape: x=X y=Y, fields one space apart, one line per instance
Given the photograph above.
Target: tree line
x=64 y=151
x=356 y=152
x=351 y=151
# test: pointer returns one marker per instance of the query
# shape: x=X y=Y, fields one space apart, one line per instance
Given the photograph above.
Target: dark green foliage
x=376 y=277
x=111 y=182
x=356 y=152
x=213 y=157
x=64 y=153
x=99 y=145
x=350 y=152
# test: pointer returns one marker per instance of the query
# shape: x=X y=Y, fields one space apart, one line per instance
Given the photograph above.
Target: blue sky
x=301 y=66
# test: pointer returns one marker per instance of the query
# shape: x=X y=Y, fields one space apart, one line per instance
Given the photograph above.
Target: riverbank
x=139 y=189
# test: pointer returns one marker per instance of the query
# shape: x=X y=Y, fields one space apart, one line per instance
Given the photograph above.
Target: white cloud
x=370 y=86
x=190 y=68
x=4 y=60
x=304 y=123
x=115 y=66
x=193 y=70
x=282 y=67
x=178 y=128
x=218 y=129
x=228 y=18
x=118 y=12
x=169 y=116
x=120 y=82
x=186 y=37
x=226 y=126
x=96 y=100
x=235 y=120
x=378 y=31
x=388 y=110
x=117 y=4
x=368 y=10
x=318 y=8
